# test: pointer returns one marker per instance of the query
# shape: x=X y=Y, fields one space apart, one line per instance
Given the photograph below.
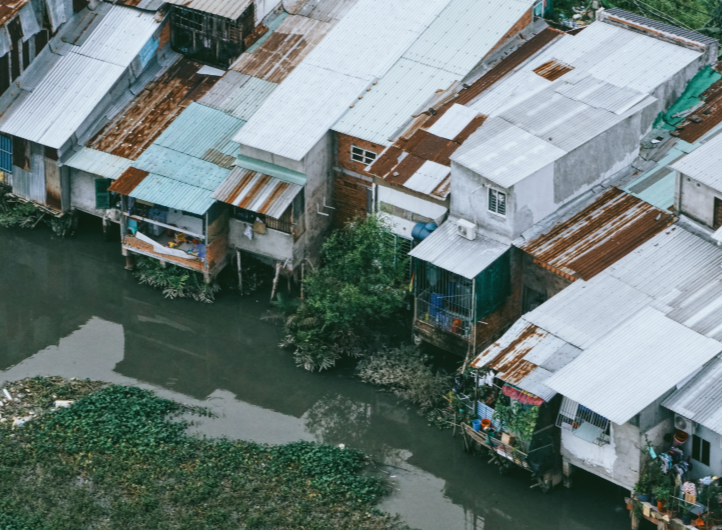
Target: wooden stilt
x=240 y=272
x=275 y=279
x=129 y=262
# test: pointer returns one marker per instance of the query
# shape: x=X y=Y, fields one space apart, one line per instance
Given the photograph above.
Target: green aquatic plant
x=174 y=281
x=120 y=457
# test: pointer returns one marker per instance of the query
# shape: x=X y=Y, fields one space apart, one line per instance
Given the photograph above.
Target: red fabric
x=523 y=397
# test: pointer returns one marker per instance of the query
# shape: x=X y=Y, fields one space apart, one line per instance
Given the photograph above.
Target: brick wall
x=350 y=198
x=343 y=154
x=520 y=25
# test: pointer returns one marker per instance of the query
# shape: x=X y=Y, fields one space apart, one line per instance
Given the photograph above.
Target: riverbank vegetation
x=359 y=288
x=120 y=457
x=699 y=15
x=174 y=281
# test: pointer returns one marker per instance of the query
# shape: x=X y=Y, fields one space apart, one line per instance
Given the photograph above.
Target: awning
x=449 y=251
x=257 y=192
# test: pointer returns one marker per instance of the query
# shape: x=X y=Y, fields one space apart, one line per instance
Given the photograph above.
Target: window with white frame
x=362 y=155
x=497 y=201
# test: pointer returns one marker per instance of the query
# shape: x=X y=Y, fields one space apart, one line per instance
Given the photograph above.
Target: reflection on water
x=68 y=308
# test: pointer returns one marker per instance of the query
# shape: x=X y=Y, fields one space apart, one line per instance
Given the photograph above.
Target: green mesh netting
x=691 y=96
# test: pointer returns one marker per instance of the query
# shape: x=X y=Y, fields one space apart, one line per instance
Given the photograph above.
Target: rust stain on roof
x=553 y=70
x=509 y=361
x=605 y=231
x=153 y=110
x=276 y=58
x=128 y=181
x=405 y=170
x=8 y=9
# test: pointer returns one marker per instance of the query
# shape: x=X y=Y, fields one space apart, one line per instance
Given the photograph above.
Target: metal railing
x=444 y=299
x=585 y=423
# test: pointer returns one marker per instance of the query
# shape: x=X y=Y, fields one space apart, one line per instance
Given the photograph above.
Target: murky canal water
x=68 y=308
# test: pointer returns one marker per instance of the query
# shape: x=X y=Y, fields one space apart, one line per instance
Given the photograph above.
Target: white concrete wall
x=273 y=244
x=617 y=461
x=696 y=200
x=715 y=457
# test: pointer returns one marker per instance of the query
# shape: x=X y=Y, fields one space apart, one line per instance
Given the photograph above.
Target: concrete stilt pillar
x=567 y=471
x=129 y=262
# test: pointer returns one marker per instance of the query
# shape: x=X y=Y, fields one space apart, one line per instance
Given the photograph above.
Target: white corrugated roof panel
x=449 y=251
x=704 y=164
x=120 y=36
x=508 y=92
x=359 y=49
x=504 y=153
x=606 y=377
x=57 y=100
x=290 y=122
x=453 y=122
x=373 y=35
x=700 y=399
x=585 y=311
x=428 y=177
x=231 y=9
x=61 y=103
x=602 y=95
x=99 y=163
x=465 y=32
x=390 y=103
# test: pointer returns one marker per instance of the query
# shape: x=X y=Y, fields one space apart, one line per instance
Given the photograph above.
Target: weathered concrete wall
x=596 y=160
x=317 y=165
x=82 y=192
x=275 y=245
x=617 y=461
x=715 y=454
x=696 y=200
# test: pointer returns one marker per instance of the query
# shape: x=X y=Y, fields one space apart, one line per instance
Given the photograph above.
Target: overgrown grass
x=16 y=214
x=174 y=281
x=120 y=458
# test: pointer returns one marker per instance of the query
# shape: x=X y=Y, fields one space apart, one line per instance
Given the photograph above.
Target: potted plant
x=663 y=492
x=643 y=488
x=687 y=517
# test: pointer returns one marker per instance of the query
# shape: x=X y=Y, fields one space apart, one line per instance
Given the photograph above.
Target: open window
x=497 y=201
x=583 y=422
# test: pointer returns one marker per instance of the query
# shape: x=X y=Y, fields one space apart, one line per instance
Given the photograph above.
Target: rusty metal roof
x=287 y=46
x=231 y=9
x=10 y=8
x=553 y=70
x=607 y=230
x=257 y=192
x=526 y=356
x=128 y=181
x=709 y=116
x=134 y=129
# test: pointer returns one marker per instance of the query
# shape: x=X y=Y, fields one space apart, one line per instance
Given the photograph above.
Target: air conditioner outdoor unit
x=683 y=424
x=466 y=229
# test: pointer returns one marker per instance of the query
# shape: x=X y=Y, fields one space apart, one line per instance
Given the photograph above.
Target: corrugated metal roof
x=176 y=180
x=146 y=5
x=153 y=110
x=602 y=95
x=10 y=8
x=396 y=97
x=359 y=49
x=99 y=163
x=704 y=164
x=526 y=356
x=238 y=95
x=453 y=121
x=66 y=93
x=596 y=237
x=465 y=32
x=128 y=181
x=326 y=10
x=287 y=46
x=290 y=122
x=231 y=9
x=700 y=399
x=205 y=133
x=449 y=251
x=606 y=377
x=659 y=27
x=505 y=153
x=428 y=177
x=257 y=192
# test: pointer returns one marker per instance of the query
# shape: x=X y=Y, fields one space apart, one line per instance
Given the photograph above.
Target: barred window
x=497 y=201
x=362 y=155
x=6 y=154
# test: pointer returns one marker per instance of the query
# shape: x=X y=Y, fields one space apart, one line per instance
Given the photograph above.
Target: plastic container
x=485 y=423
x=476 y=425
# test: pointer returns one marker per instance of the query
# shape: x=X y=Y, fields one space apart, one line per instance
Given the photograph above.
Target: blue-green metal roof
x=266 y=168
x=204 y=133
